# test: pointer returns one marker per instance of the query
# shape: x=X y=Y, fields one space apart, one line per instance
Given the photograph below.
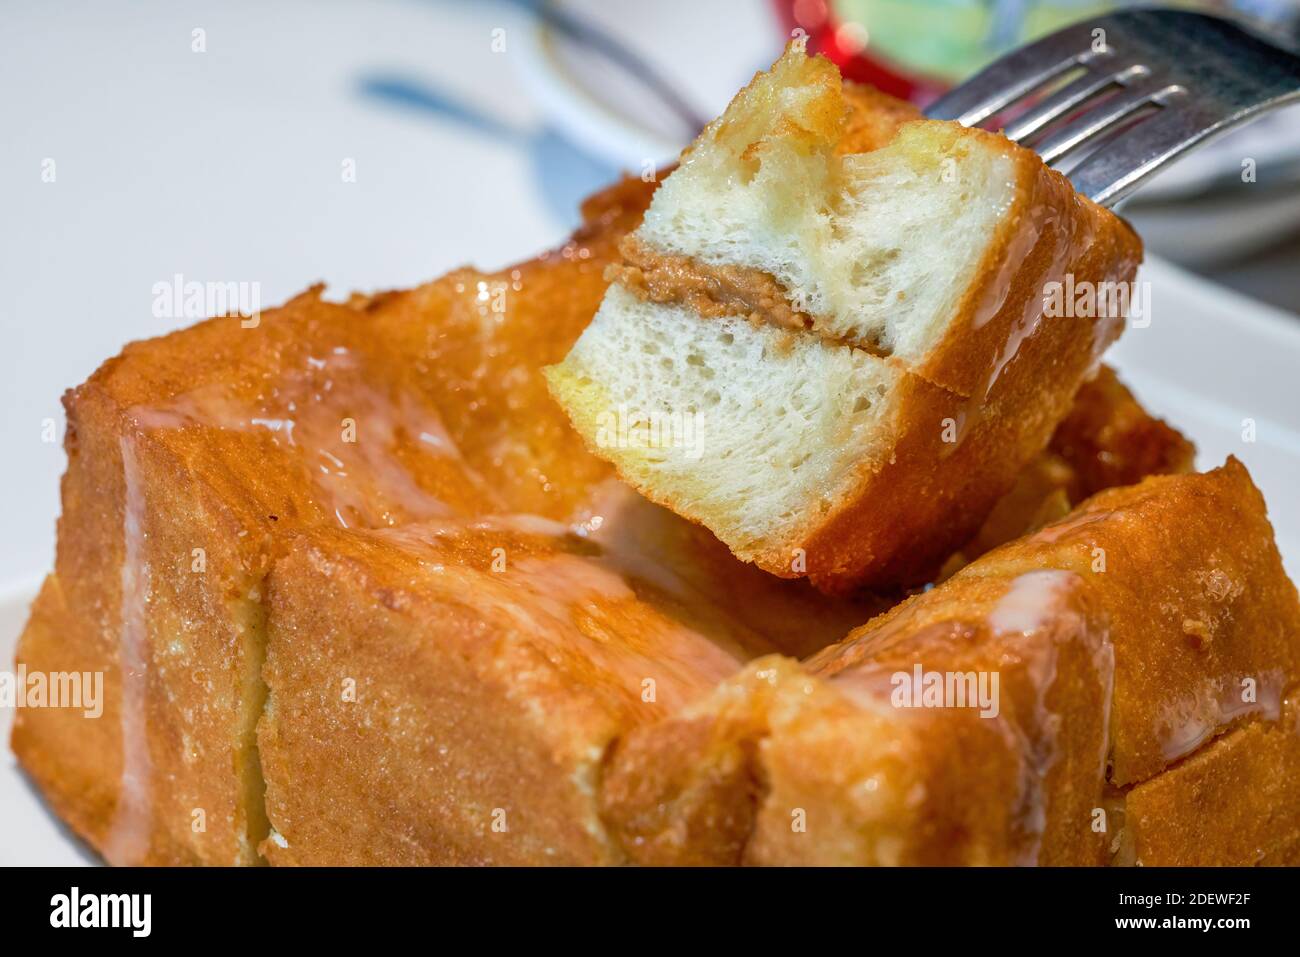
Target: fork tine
x=1206 y=74
x=1069 y=97
x=1065 y=141
x=1116 y=170
x=1012 y=77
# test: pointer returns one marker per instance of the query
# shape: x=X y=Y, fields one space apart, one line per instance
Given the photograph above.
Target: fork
x=1115 y=99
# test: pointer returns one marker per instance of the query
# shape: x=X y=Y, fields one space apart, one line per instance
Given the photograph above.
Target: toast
x=260 y=563
x=1138 y=692
x=832 y=351
x=199 y=471
x=361 y=595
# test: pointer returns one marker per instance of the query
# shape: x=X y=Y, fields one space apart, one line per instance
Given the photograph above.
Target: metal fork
x=1126 y=93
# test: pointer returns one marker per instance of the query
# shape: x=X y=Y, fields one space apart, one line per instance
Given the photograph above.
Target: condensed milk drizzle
x=1044 y=220
x=297 y=415
x=127 y=841
x=1192 y=722
x=1033 y=601
x=343 y=428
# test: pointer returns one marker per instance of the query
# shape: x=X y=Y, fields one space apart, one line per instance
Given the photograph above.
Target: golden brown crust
x=75 y=761
x=873 y=118
x=1205 y=623
x=1107 y=439
x=1235 y=802
x=1091 y=673
x=1000 y=330
x=684 y=795
x=1007 y=379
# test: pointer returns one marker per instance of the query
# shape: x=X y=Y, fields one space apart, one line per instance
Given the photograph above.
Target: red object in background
x=826 y=36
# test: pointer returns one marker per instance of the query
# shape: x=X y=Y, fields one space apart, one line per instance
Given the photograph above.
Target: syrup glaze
x=129 y=832
x=1019 y=632
x=1044 y=224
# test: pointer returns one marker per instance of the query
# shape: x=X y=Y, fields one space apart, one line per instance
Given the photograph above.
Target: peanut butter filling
x=712 y=291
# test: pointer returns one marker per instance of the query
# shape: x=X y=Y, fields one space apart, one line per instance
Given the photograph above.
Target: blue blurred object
x=565 y=174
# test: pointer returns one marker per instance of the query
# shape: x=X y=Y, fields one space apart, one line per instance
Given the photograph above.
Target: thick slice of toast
x=196 y=459
x=1131 y=671
x=236 y=523
x=836 y=354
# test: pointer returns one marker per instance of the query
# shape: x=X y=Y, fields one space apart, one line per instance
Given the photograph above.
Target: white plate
x=29 y=833
x=1208 y=361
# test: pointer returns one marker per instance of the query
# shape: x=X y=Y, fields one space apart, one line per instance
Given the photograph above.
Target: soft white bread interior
x=878 y=248
x=695 y=406
x=837 y=360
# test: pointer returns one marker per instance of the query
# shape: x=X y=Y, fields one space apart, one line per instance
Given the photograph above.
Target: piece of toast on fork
x=830 y=346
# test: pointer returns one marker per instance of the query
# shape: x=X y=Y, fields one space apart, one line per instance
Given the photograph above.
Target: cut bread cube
x=804 y=457
x=691 y=404
x=847 y=775
x=1234 y=802
x=925 y=256
x=446 y=694
x=1131 y=670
